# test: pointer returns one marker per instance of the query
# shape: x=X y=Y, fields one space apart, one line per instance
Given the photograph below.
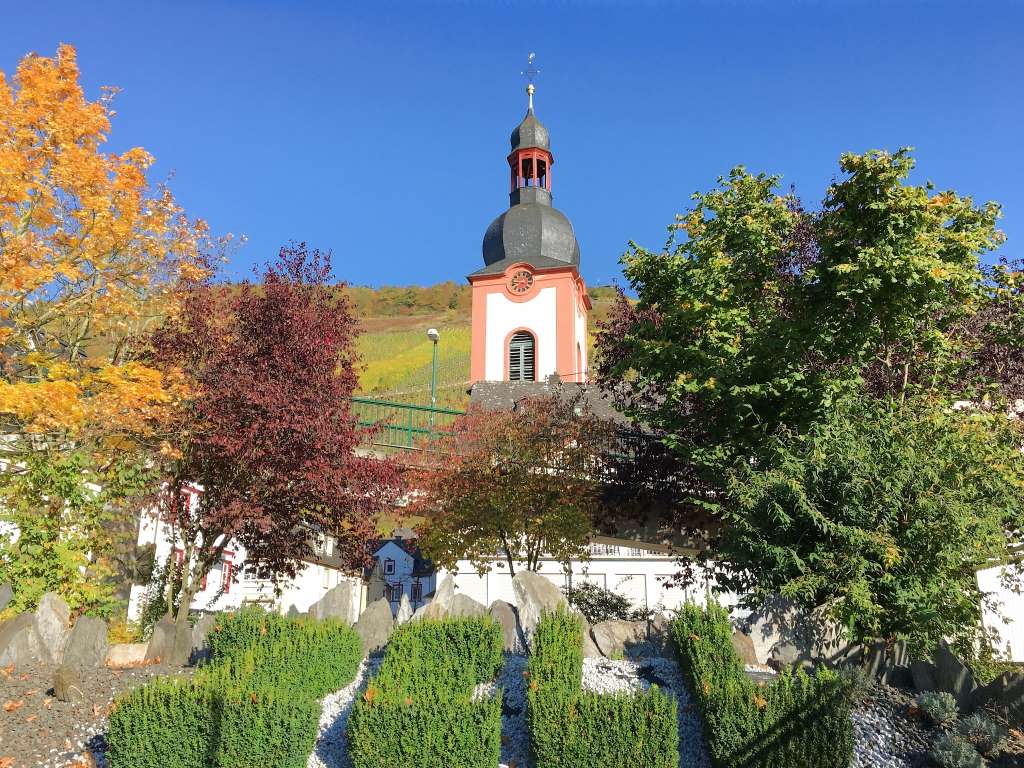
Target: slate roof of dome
x=532 y=232
x=530 y=133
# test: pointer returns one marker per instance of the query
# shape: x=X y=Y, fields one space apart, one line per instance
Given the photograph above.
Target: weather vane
x=530 y=73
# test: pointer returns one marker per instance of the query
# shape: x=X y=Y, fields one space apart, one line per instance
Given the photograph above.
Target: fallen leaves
x=13 y=706
x=6 y=762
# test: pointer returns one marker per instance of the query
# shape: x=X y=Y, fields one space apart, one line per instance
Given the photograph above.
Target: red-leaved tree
x=268 y=432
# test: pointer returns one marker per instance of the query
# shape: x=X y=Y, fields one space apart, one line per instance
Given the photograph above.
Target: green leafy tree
x=761 y=323
x=883 y=511
x=62 y=530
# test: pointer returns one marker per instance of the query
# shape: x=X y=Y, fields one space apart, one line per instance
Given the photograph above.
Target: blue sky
x=380 y=130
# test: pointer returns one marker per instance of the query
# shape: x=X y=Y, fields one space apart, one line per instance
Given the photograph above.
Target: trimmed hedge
x=570 y=727
x=258 y=698
x=419 y=711
x=798 y=721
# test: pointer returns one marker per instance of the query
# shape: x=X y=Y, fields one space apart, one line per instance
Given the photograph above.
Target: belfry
x=530 y=304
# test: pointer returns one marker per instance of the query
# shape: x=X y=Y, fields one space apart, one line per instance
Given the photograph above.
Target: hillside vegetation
x=396 y=353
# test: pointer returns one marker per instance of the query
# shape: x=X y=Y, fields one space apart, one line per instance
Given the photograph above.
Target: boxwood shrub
x=257 y=698
x=419 y=710
x=797 y=721
x=570 y=727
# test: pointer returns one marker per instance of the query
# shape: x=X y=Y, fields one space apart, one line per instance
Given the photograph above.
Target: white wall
x=505 y=316
x=639 y=575
x=1011 y=636
x=403 y=576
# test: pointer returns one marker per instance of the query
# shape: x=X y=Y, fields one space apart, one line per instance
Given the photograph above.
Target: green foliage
x=235 y=633
x=939 y=707
x=598 y=603
x=988 y=737
x=762 y=328
x=859 y=513
x=572 y=728
x=419 y=711
x=257 y=698
x=951 y=750
x=798 y=721
x=70 y=530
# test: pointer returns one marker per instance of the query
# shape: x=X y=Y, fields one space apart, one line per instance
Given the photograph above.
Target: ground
x=38 y=730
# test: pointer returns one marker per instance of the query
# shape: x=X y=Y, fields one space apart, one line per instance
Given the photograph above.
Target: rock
x=375 y=625
x=953 y=676
x=922 y=674
x=464 y=605
x=335 y=604
x=200 y=650
x=505 y=614
x=419 y=612
x=442 y=601
x=744 y=647
x=20 y=642
x=6 y=593
x=590 y=649
x=617 y=638
x=53 y=621
x=170 y=644
x=535 y=595
x=659 y=634
x=87 y=644
x=404 y=610
x=126 y=655
x=782 y=631
x=67 y=684
x=1006 y=694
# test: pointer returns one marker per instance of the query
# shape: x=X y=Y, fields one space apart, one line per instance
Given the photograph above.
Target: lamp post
x=434 y=336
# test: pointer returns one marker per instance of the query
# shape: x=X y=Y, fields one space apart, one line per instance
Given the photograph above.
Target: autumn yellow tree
x=90 y=255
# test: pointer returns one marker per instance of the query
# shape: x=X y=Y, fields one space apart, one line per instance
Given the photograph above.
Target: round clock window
x=520 y=282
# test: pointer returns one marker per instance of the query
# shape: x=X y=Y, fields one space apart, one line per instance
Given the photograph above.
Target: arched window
x=521 y=356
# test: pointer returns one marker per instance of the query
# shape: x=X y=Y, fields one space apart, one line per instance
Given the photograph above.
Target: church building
x=530 y=304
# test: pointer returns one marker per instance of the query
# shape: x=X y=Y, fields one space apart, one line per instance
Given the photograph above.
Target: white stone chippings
x=331 y=750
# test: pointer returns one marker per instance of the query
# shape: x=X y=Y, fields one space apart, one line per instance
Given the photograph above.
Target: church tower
x=529 y=302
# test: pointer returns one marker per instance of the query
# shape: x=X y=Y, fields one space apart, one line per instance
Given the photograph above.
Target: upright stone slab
x=590 y=649
x=464 y=605
x=6 y=594
x=785 y=633
x=744 y=647
x=87 y=644
x=200 y=638
x=535 y=595
x=404 y=610
x=67 y=684
x=512 y=635
x=617 y=638
x=20 y=642
x=335 y=604
x=53 y=620
x=953 y=676
x=441 y=604
x=161 y=642
x=375 y=626
x=923 y=675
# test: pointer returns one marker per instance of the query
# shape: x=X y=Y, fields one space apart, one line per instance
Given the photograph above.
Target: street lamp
x=434 y=336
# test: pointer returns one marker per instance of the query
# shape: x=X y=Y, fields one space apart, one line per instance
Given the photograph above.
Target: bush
x=258 y=697
x=952 y=751
x=597 y=603
x=571 y=727
x=986 y=736
x=938 y=706
x=798 y=721
x=419 y=710
x=234 y=633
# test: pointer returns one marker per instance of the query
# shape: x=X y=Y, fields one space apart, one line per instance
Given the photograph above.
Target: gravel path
x=600 y=675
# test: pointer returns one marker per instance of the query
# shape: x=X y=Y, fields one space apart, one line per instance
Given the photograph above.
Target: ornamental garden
x=810 y=413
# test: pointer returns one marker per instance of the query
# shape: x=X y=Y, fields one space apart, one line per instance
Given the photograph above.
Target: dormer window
x=389 y=567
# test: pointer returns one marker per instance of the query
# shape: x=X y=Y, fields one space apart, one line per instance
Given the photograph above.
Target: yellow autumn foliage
x=89 y=255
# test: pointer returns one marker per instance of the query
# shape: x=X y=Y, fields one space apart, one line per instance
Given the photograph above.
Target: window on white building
x=635 y=552
x=396 y=592
x=417 y=592
x=604 y=549
x=389 y=567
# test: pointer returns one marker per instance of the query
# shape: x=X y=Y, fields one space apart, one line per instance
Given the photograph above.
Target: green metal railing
x=403 y=426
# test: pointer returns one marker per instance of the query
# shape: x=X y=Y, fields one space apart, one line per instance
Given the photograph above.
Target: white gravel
x=331 y=750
